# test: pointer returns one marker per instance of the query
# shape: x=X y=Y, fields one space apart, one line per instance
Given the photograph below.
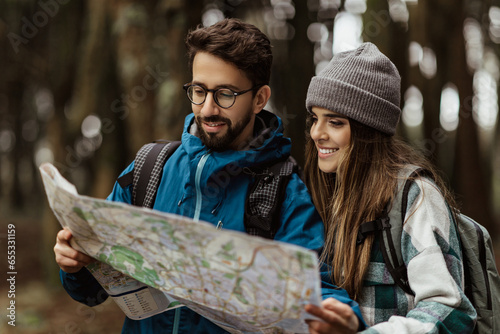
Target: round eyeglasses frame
x=187 y=87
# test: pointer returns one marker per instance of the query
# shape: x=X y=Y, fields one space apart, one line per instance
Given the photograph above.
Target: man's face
x=221 y=129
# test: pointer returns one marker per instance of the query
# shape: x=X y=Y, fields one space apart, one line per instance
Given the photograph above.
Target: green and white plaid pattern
x=431 y=251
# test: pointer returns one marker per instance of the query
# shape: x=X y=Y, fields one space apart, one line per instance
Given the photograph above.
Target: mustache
x=214 y=119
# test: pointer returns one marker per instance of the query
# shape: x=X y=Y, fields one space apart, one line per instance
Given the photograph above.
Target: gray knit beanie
x=362 y=84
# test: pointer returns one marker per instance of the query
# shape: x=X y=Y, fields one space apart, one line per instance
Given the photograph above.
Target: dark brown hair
x=361 y=189
x=236 y=42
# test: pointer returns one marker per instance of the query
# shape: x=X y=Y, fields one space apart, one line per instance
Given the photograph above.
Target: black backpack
x=262 y=205
x=482 y=281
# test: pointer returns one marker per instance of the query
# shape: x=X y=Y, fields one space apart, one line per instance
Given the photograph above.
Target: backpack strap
x=146 y=175
x=481 y=278
x=265 y=198
x=390 y=237
x=262 y=204
x=398 y=270
x=370 y=227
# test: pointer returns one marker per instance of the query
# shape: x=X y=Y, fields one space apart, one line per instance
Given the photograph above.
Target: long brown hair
x=361 y=189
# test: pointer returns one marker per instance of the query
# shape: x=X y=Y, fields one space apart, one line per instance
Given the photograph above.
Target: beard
x=217 y=142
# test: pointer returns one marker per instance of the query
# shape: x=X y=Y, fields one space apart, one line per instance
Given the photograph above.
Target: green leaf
x=205 y=263
x=229 y=246
x=172 y=304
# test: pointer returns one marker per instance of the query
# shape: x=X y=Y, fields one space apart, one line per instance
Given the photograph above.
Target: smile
x=327 y=150
x=212 y=125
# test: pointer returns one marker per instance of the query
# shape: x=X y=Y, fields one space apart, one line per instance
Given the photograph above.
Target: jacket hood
x=268 y=143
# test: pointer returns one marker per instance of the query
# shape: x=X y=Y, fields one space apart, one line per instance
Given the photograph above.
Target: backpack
x=482 y=281
x=262 y=204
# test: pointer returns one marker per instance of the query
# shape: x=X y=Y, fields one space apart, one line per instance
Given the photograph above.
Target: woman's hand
x=69 y=259
x=336 y=317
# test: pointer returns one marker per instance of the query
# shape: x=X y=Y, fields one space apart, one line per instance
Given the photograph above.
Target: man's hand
x=336 y=317
x=69 y=259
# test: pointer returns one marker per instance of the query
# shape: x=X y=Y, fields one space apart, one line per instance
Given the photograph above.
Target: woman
x=353 y=166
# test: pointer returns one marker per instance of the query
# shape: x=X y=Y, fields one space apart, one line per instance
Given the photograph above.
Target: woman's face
x=331 y=132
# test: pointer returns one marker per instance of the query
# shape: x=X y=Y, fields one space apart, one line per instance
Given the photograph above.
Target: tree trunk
x=299 y=65
x=468 y=178
x=177 y=18
x=133 y=38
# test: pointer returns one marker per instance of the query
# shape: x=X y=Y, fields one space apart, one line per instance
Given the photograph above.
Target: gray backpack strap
x=264 y=201
x=148 y=168
x=389 y=229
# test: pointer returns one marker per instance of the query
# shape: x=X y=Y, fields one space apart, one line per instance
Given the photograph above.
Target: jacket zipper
x=177 y=316
x=199 y=199
x=197 y=212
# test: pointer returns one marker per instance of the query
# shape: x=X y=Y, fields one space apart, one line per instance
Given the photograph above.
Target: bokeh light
x=473 y=43
x=43 y=153
x=211 y=16
x=91 y=126
x=449 y=107
x=347 y=32
x=7 y=140
x=398 y=11
x=494 y=28
x=428 y=63
x=355 y=6
x=415 y=53
x=44 y=102
x=413 y=113
x=485 y=104
x=317 y=32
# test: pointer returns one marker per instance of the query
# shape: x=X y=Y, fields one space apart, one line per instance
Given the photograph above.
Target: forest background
x=84 y=84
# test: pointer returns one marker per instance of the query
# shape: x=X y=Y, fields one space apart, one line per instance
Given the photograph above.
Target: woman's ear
x=261 y=98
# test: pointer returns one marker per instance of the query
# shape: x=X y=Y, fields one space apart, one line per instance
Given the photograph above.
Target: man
x=204 y=179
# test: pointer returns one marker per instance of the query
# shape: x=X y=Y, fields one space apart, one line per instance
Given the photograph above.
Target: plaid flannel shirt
x=431 y=251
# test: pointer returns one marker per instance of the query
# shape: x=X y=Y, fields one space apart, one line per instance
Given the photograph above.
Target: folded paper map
x=150 y=261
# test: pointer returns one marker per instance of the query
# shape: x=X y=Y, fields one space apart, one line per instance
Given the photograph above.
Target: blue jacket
x=212 y=186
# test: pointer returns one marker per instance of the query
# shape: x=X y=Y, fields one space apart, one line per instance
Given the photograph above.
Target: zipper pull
x=219 y=225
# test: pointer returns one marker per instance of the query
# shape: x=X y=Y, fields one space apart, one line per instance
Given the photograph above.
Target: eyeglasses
x=224 y=97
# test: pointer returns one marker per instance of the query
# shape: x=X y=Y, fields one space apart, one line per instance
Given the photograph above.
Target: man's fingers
x=69 y=259
x=63 y=236
x=72 y=261
x=63 y=247
x=67 y=262
x=69 y=252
